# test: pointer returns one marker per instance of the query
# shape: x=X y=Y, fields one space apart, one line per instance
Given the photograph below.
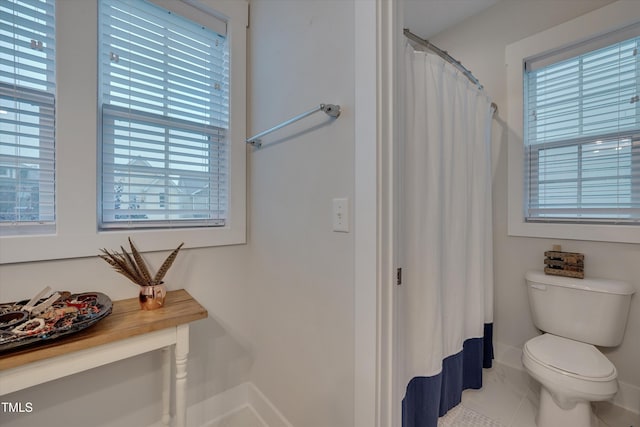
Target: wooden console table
x=126 y=332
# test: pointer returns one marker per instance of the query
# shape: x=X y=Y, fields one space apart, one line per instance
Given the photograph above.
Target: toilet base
x=551 y=415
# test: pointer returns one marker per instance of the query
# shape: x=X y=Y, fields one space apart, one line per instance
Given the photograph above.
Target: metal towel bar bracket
x=330 y=109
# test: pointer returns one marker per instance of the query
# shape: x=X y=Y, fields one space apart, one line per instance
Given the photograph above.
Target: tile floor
x=508 y=398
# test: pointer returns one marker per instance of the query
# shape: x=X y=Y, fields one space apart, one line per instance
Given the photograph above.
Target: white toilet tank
x=593 y=311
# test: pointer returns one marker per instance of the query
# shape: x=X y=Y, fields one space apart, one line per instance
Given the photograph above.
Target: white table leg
x=182 y=352
x=166 y=385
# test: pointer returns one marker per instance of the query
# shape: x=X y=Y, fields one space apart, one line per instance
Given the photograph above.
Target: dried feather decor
x=133 y=267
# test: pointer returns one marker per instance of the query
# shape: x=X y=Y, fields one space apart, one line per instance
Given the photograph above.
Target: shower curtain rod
x=450 y=59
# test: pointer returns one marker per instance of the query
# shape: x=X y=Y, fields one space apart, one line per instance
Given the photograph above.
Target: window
x=27 y=117
x=78 y=132
x=572 y=132
x=164 y=103
x=582 y=132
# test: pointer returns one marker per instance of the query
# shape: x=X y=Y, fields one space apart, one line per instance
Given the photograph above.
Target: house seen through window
x=164 y=113
x=582 y=132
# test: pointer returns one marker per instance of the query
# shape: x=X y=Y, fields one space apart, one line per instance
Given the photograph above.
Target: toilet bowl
x=574 y=315
x=571 y=374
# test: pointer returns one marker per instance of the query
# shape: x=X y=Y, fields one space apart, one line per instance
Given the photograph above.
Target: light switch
x=341 y=215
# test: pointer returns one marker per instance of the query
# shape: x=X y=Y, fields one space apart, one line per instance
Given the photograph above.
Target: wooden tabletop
x=127 y=320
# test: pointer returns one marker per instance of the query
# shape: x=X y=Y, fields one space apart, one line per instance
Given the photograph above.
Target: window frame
x=77 y=234
x=607 y=19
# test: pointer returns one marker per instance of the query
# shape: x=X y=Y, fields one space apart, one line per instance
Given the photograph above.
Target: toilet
x=575 y=315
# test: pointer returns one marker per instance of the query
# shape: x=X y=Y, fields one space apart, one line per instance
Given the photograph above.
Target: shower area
x=444 y=322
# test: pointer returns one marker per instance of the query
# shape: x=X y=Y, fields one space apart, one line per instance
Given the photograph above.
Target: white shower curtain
x=446 y=300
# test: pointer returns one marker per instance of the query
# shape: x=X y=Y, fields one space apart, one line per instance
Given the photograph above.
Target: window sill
x=591 y=232
x=16 y=249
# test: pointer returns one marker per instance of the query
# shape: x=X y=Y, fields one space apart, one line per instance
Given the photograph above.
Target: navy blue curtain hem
x=487 y=347
x=428 y=398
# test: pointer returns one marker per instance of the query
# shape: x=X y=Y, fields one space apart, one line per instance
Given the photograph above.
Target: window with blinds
x=164 y=113
x=582 y=132
x=27 y=116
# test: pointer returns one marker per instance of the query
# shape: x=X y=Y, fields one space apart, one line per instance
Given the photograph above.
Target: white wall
x=301 y=273
x=479 y=43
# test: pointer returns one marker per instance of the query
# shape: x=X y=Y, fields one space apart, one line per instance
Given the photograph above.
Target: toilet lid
x=572 y=357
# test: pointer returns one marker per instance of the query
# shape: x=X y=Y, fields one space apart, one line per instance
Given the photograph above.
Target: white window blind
x=164 y=103
x=582 y=133
x=27 y=116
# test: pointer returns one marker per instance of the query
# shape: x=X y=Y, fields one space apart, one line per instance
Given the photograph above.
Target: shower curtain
x=446 y=299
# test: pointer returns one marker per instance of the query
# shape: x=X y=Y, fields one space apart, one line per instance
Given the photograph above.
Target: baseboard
x=207 y=412
x=628 y=396
x=508 y=355
x=264 y=409
x=245 y=395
